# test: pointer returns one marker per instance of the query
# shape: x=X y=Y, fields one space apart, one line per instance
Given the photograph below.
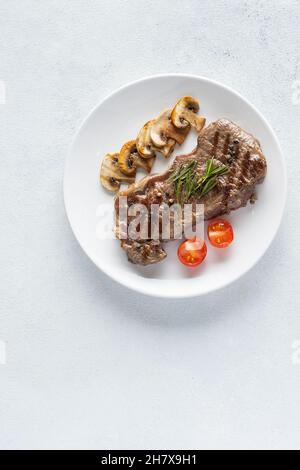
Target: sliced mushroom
x=163 y=129
x=144 y=143
x=185 y=114
x=145 y=146
x=129 y=159
x=110 y=175
x=167 y=150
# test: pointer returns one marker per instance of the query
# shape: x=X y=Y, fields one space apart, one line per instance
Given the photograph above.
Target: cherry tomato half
x=220 y=233
x=192 y=252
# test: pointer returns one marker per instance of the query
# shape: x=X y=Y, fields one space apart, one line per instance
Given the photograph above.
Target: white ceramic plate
x=118 y=119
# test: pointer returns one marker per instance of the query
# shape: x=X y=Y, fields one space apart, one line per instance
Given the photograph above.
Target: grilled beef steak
x=229 y=145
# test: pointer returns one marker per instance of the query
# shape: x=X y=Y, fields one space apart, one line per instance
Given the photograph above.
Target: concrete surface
x=88 y=363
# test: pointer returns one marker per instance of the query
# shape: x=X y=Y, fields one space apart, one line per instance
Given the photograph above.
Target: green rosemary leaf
x=183 y=171
x=208 y=186
x=187 y=183
x=218 y=171
x=209 y=166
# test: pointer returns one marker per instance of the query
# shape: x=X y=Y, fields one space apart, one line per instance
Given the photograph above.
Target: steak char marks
x=229 y=145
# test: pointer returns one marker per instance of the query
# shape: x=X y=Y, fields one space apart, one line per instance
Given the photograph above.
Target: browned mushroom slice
x=129 y=159
x=163 y=129
x=185 y=114
x=110 y=175
x=167 y=150
x=144 y=143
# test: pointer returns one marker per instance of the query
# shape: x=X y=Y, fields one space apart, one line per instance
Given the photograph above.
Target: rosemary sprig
x=187 y=182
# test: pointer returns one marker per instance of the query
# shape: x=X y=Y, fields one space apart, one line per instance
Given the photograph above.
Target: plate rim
x=140 y=288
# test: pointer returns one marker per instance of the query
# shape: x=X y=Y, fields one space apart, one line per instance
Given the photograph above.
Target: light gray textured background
x=89 y=363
